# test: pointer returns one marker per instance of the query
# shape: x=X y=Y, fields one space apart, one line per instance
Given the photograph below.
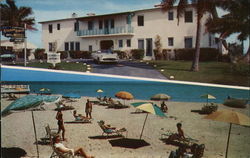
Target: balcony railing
x=107 y=31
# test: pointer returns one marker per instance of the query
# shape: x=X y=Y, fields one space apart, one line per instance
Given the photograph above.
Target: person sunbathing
x=179 y=135
x=79 y=117
x=61 y=148
x=109 y=128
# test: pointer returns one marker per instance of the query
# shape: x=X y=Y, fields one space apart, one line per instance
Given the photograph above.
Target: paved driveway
x=127 y=68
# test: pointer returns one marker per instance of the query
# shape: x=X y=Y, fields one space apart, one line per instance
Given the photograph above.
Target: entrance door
x=149 y=47
x=106 y=26
x=106 y=44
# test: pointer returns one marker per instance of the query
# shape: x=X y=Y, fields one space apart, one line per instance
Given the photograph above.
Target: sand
x=17 y=131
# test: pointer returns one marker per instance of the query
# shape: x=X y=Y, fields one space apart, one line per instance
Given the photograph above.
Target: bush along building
x=144 y=33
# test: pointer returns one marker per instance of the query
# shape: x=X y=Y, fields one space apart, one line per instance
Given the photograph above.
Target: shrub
x=137 y=53
x=224 y=58
x=40 y=54
x=80 y=54
x=121 y=54
x=64 y=54
x=241 y=69
x=206 y=54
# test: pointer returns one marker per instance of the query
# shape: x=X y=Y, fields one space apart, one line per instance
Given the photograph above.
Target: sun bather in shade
x=179 y=135
x=61 y=148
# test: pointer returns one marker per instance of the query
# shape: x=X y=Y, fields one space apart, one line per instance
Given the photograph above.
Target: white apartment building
x=125 y=31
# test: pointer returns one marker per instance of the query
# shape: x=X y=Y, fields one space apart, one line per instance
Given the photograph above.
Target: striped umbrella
x=150 y=108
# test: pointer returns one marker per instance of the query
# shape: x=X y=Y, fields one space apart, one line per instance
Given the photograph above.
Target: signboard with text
x=53 y=58
x=13 y=32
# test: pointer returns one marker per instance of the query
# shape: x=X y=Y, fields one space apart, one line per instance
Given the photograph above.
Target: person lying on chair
x=109 y=127
x=61 y=148
x=179 y=135
x=79 y=117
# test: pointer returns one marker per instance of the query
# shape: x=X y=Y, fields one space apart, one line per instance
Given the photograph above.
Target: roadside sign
x=53 y=58
x=13 y=32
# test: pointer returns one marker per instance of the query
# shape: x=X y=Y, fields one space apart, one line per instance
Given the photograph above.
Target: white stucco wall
x=155 y=23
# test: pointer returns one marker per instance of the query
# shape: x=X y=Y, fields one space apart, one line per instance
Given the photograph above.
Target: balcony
x=117 y=31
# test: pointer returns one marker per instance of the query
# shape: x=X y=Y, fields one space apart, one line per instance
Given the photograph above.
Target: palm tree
x=237 y=20
x=201 y=6
x=14 y=16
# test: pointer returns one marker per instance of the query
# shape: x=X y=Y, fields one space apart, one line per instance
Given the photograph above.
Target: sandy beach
x=17 y=130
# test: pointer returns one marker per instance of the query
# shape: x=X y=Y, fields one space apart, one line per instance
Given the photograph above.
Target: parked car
x=105 y=56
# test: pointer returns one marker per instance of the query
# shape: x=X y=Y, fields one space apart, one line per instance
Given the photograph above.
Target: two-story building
x=125 y=31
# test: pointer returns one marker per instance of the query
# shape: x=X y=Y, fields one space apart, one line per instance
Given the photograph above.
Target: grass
x=71 y=66
x=210 y=72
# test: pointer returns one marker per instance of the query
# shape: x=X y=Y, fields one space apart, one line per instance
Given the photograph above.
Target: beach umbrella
x=99 y=91
x=208 y=96
x=160 y=96
x=231 y=117
x=124 y=95
x=150 y=108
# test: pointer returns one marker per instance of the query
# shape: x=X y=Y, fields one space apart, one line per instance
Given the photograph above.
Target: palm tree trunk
x=195 y=64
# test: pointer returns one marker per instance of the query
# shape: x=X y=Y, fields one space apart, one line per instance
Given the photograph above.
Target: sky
x=44 y=10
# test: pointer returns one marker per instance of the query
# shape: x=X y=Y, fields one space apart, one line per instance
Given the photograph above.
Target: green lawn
x=72 y=66
x=210 y=72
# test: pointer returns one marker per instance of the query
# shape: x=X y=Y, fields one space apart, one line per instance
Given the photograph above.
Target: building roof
x=101 y=15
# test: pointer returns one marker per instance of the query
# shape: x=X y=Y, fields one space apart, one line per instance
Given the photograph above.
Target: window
x=112 y=23
x=120 y=43
x=188 y=42
x=77 y=45
x=76 y=26
x=58 y=27
x=188 y=16
x=50 y=46
x=90 y=48
x=140 y=44
x=128 y=43
x=50 y=28
x=170 y=41
x=66 y=46
x=100 y=24
x=90 y=25
x=72 y=46
x=140 y=20
x=170 y=15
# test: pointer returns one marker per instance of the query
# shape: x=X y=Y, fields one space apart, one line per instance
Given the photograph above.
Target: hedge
x=80 y=54
x=137 y=54
x=121 y=54
x=40 y=54
x=206 y=54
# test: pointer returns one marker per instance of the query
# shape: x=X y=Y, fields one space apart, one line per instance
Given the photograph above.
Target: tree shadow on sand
x=128 y=143
x=13 y=152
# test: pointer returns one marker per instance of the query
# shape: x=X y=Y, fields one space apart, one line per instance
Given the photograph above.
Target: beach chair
x=49 y=134
x=188 y=142
x=113 y=132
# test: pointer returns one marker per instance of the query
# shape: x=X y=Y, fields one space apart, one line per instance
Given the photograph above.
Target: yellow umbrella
x=231 y=117
x=208 y=96
x=99 y=91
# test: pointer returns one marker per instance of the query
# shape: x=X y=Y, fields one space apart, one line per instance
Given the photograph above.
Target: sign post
x=53 y=58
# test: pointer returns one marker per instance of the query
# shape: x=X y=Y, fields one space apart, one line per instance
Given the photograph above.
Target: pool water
x=139 y=89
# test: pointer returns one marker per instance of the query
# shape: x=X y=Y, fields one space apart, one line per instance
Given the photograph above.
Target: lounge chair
x=186 y=142
x=49 y=134
x=109 y=131
x=116 y=105
x=12 y=96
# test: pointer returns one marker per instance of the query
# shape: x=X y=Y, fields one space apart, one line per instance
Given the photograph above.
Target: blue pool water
x=139 y=89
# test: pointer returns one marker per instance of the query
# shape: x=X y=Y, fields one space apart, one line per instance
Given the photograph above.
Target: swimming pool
x=86 y=85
